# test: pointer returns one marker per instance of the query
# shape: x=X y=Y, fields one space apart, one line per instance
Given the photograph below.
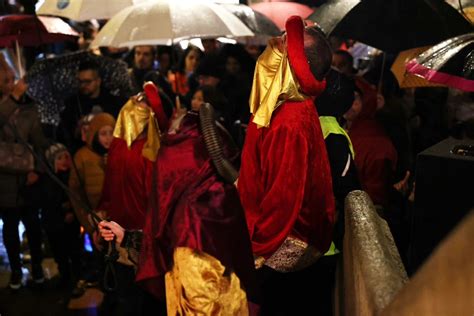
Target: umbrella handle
x=178 y=103
x=379 y=86
x=18 y=56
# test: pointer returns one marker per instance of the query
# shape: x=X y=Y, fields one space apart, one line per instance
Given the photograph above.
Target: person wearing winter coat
x=87 y=176
x=59 y=221
x=19 y=119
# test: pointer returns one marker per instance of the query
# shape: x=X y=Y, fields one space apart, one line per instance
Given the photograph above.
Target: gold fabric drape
x=273 y=83
x=197 y=285
x=132 y=121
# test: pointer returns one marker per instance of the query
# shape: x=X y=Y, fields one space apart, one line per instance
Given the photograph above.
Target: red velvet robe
x=191 y=207
x=128 y=177
x=285 y=182
x=127 y=184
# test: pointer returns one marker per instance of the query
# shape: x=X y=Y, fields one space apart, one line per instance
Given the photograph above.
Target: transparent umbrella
x=279 y=12
x=83 y=10
x=164 y=22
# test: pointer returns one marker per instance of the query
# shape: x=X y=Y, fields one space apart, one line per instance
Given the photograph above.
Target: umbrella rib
x=171 y=25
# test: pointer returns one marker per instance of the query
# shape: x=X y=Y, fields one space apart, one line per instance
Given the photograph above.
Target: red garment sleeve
x=284 y=162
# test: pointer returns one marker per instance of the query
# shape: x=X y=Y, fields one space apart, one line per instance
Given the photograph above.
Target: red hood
x=369 y=100
x=298 y=60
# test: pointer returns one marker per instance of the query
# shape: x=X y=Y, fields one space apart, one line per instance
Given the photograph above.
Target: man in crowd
x=92 y=97
x=143 y=70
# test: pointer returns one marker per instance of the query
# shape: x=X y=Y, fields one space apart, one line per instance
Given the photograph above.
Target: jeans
x=11 y=219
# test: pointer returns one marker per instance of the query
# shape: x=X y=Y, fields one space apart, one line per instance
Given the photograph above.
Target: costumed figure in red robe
x=285 y=178
x=126 y=191
x=195 y=247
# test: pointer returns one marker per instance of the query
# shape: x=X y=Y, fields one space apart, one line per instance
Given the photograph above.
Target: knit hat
x=53 y=152
x=99 y=121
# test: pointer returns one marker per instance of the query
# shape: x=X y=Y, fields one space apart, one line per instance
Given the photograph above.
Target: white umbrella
x=83 y=10
x=163 y=22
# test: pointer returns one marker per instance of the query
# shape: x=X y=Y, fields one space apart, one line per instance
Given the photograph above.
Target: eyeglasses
x=86 y=81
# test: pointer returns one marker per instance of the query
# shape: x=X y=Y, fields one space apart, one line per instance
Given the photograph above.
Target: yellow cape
x=132 y=121
x=273 y=84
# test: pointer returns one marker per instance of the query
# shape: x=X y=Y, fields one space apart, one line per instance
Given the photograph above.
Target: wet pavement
x=48 y=299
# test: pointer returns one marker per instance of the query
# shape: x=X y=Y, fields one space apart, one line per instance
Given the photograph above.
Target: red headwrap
x=154 y=101
x=297 y=57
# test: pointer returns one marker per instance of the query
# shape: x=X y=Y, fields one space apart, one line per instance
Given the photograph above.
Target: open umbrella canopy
x=53 y=80
x=406 y=79
x=391 y=25
x=464 y=3
x=30 y=30
x=83 y=10
x=257 y=22
x=451 y=62
x=163 y=22
x=279 y=12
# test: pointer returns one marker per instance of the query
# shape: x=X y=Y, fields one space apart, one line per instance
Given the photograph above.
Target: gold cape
x=132 y=121
x=273 y=84
x=199 y=285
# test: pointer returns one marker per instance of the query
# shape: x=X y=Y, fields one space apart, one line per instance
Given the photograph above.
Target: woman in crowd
x=181 y=79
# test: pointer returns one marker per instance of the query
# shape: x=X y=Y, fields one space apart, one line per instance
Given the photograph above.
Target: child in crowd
x=86 y=181
x=87 y=177
x=59 y=222
x=207 y=94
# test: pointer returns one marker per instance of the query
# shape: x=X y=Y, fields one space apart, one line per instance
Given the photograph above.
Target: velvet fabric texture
x=299 y=62
x=129 y=171
x=154 y=101
x=375 y=155
x=127 y=184
x=285 y=180
x=191 y=207
x=274 y=82
x=134 y=120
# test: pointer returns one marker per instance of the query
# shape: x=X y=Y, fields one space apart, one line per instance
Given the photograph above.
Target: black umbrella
x=53 y=80
x=391 y=25
x=450 y=62
x=258 y=23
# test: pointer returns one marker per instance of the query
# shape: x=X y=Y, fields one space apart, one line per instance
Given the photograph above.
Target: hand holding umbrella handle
x=19 y=90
